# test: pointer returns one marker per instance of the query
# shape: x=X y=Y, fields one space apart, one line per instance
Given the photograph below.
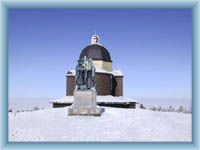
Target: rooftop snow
x=116 y=72
x=108 y=98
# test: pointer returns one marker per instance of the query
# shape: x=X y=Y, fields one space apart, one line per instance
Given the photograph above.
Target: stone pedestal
x=84 y=103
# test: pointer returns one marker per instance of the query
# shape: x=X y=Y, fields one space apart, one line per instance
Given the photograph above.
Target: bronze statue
x=85 y=74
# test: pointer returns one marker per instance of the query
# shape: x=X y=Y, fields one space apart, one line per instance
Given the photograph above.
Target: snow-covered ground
x=115 y=124
x=18 y=104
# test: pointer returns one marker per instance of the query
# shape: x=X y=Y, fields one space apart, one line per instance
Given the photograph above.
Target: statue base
x=84 y=104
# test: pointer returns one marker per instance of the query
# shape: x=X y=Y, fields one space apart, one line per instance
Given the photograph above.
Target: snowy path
x=114 y=125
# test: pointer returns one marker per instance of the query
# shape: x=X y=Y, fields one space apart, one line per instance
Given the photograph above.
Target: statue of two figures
x=85 y=95
x=85 y=74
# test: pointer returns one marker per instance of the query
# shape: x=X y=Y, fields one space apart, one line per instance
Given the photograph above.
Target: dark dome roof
x=96 y=52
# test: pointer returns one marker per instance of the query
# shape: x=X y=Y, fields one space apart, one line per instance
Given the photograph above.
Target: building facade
x=108 y=81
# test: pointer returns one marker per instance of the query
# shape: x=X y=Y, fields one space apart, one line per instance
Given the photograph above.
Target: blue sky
x=153 y=48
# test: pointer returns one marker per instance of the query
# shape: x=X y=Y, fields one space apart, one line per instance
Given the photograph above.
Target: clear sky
x=152 y=47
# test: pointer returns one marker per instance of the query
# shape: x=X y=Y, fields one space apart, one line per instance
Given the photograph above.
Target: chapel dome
x=96 y=52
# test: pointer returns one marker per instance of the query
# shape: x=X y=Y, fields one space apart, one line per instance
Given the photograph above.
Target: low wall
x=107 y=104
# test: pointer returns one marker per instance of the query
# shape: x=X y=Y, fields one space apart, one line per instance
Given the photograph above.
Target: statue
x=85 y=74
x=85 y=95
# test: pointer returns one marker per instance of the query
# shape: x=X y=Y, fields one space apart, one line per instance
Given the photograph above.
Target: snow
x=116 y=72
x=107 y=98
x=115 y=124
x=19 y=104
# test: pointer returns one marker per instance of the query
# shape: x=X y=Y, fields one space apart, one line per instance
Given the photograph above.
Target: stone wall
x=119 y=87
x=111 y=104
x=103 y=84
x=70 y=85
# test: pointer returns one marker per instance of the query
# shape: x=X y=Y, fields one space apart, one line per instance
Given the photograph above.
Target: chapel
x=109 y=81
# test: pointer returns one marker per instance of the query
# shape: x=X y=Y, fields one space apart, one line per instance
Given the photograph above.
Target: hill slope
x=115 y=124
